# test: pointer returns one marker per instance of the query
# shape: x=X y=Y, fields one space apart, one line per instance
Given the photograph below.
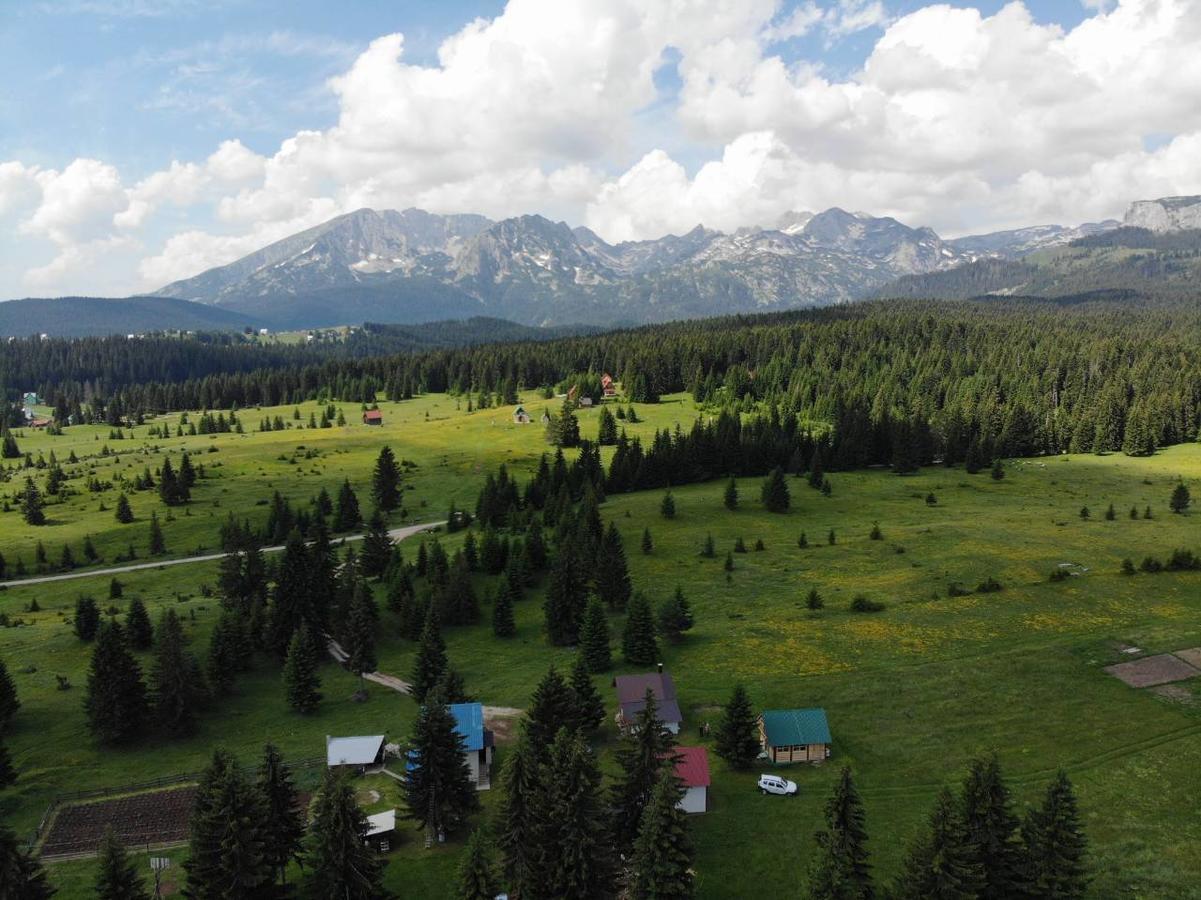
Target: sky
x=143 y=141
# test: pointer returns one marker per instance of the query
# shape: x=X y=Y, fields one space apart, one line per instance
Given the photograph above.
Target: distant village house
x=520 y=416
x=359 y=753
x=373 y=417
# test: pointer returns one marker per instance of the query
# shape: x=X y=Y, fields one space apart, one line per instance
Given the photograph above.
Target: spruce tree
x=648 y=545
x=675 y=616
x=638 y=644
x=283 y=825
x=452 y=688
x=503 y=624
x=9 y=703
x=667 y=508
x=998 y=469
x=346 y=515
x=813 y=600
x=517 y=823
x=301 y=681
x=115 y=699
x=226 y=853
x=774 y=493
x=477 y=871
x=573 y=851
x=1180 y=499
x=738 y=733
x=385 y=481
x=157 y=545
x=646 y=750
x=663 y=853
x=992 y=830
x=565 y=596
x=23 y=877
x=86 y=621
x=589 y=707
x=939 y=865
x=377 y=547
x=594 y=638
x=123 y=512
x=175 y=683
x=360 y=633
x=730 y=497
x=552 y=706
x=31 y=504
x=1055 y=844
x=438 y=787
x=117 y=878
x=431 y=658
x=841 y=869
x=340 y=861
x=612 y=572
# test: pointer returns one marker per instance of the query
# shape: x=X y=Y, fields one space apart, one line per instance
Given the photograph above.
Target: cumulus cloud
x=955 y=118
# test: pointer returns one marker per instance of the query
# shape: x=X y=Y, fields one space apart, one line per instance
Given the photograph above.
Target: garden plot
x=152 y=819
x=1154 y=670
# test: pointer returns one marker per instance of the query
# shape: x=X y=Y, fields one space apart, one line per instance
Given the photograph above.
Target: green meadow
x=912 y=693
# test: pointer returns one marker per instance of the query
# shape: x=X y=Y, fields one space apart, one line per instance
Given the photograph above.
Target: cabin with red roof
x=607 y=386
x=692 y=768
x=373 y=417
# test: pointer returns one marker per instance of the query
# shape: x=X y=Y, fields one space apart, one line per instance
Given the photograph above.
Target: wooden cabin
x=373 y=417
x=795 y=735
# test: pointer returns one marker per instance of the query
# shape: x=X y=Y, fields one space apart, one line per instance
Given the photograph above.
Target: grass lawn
x=912 y=692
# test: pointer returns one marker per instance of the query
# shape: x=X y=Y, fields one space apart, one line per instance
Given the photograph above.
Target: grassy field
x=912 y=693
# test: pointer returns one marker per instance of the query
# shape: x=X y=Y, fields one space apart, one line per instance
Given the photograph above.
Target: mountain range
x=413 y=266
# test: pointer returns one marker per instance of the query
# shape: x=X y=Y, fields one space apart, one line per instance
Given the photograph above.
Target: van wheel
x=763 y=791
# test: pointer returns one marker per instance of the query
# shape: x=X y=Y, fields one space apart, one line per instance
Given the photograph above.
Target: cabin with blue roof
x=478 y=741
x=795 y=735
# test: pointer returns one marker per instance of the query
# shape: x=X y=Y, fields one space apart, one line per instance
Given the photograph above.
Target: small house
x=795 y=735
x=373 y=417
x=692 y=768
x=40 y=423
x=585 y=401
x=631 y=699
x=358 y=753
x=478 y=741
x=520 y=416
x=31 y=398
x=608 y=388
x=381 y=830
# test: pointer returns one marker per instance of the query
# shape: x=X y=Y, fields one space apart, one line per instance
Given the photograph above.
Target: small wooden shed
x=373 y=417
x=520 y=416
x=795 y=735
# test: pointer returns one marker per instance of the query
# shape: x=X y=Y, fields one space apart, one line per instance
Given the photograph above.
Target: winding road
x=397 y=534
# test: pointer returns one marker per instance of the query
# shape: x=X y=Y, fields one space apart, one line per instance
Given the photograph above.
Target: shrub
x=759 y=546
x=862 y=604
x=1058 y=575
x=1150 y=564
x=1183 y=561
x=739 y=546
x=876 y=534
x=989 y=585
x=955 y=589
x=1127 y=566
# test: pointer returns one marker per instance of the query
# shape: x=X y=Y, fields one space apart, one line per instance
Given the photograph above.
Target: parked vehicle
x=774 y=784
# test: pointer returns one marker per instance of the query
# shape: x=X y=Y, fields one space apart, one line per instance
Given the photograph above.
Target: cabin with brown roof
x=373 y=417
x=631 y=699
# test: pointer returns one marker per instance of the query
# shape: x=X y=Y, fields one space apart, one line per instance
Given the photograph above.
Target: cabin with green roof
x=795 y=735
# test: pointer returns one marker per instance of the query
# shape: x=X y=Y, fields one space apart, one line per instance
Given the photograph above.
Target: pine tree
x=477 y=871
x=226 y=854
x=283 y=825
x=339 y=859
x=1180 y=498
x=115 y=700
x=175 y=682
x=571 y=842
x=607 y=431
x=31 y=504
x=730 y=498
x=451 y=687
x=638 y=644
x=347 y=515
x=377 y=547
x=708 y=550
x=552 y=707
x=612 y=572
x=813 y=600
x=302 y=683
x=516 y=825
x=86 y=620
x=503 y=624
x=646 y=750
x=589 y=707
x=738 y=733
x=774 y=493
x=360 y=633
x=9 y=703
x=998 y=469
x=431 y=658
x=663 y=853
x=939 y=865
x=1110 y=513
x=385 y=481
x=157 y=545
x=675 y=616
x=23 y=875
x=123 y=512
x=117 y=878
x=667 y=508
x=438 y=787
x=992 y=830
x=565 y=596
x=648 y=545
x=1055 y=844
x=594 y=638
x=841 y=869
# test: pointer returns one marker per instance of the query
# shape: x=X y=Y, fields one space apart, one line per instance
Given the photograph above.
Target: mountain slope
x=84 y=316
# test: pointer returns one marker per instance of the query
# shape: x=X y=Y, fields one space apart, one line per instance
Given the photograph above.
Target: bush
x=739 y=546
x=1058 y=575
x=759 y=546
x=876 y=534
x=1183 y=561
x=955 y=589
x=1150 y=564
x=1127 y=566
x=989 y=585
x=862 y=604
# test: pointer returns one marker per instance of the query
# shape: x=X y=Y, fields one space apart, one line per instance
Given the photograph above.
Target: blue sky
x=144 y=140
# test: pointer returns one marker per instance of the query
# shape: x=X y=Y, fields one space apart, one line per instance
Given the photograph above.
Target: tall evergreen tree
x=667 y=507
x=645 y=752
x=648 y=545
x=31 y=504
x=290 y=596
x=157 y=544
x=226 y=853
x=341 y=863
x=9 y=703
x=503 y=624
x=1180 y=499
x=117 y=877
x=283 y=823
x=638 y=644
x=774 y=493
x=431 y=658
x=138 y=630
x=438 y=787
x=115 y=700
x=123 y=512
x=992 y=830
x=385 y=481
x=477 y=871
x=86 y=621
x=738 y=733
x=175 y=681
x=21 y=874
x=360 y=633
x=675 y=616
x=1056 y=845
x=841 y=868
x=612 y=571
x=939 y=865
x=589 y=707
x=730 y=497
x=565 y=596
x=663 y=853
x=376 y=552
x=347 y=515
x=302 y=683
x=594 y=638
x=552 y=706
x=517 y=822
